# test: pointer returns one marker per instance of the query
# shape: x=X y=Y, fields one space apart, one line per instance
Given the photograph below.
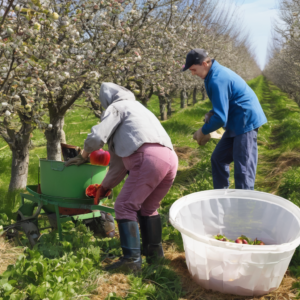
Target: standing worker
x=237 y=109
x=139 y=144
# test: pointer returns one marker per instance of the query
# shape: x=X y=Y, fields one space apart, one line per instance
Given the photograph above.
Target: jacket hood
x=111 y=92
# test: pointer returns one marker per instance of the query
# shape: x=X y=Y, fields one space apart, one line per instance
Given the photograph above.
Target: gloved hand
x=201 y=138
x=78 y=160
x=208 y=116
x=101 y=193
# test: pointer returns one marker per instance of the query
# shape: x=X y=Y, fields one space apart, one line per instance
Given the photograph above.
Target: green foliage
x=170 y=234
x=156 y=282
x=57 y=270
x=290 y=185
x=295 y=264
x=41 y=273
x=279 y=137
x=9 y=202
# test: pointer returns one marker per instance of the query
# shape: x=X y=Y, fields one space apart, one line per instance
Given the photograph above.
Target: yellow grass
x=8 y=254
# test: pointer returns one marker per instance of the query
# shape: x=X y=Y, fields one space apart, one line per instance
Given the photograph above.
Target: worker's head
x=110 y=92
x=198 y=62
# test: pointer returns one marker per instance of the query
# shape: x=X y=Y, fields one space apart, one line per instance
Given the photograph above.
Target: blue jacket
x=235 y=105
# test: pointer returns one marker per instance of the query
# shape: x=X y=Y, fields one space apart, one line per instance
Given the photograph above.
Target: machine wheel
x=28 y=222
x=32 y=232
x=102 y=226
x=13 y=234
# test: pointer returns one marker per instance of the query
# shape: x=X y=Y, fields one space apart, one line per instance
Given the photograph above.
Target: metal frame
x=43 y=200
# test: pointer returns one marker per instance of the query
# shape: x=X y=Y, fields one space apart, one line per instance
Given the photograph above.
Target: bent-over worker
x=139 y=144
x=237 y=109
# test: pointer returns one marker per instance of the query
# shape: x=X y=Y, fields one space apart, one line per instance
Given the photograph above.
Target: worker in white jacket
x=139 y=144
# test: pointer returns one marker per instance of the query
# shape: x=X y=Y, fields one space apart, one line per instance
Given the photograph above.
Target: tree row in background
x=283 y=67
x=53 y=53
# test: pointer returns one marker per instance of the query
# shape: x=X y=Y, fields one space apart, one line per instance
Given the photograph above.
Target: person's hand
x=102 y=192
x=208 y=116
x=78 y=160
x=201 y=138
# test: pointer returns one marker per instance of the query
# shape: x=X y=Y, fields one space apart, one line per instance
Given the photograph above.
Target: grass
x=279 y=142
x=278 y=172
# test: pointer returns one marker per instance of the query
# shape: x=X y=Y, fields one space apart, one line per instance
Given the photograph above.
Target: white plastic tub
x=232 y=268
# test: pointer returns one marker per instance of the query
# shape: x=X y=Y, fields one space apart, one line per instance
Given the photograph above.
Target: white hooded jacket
x=126 y=124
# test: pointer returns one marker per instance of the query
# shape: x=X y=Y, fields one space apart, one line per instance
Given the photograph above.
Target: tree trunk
x=63 y=134
x=19 y=170
x=147 y=95
x=163 y=106
x=183 y=99
x=296 y=96
x=169 y=106
x=203 y=92
x=54 y=137
x=20 y=159
x=145 y=102
x=194 y=96
x=57 y=110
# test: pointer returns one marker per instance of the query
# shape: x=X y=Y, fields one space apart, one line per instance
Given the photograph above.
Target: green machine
x=61 y=197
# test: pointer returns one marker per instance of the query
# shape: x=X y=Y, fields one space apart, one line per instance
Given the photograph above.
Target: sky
x=258 y=16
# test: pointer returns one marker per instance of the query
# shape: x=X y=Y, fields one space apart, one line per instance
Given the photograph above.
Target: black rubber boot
x=151 y=231
x=130 y=243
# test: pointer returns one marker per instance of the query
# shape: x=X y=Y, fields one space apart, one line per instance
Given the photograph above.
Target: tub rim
x=230 y=193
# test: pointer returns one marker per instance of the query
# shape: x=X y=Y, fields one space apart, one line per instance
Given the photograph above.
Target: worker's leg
x=149 y=219
x=148 y=166
x=220 y=160
x=131 y=248
x=151 y=204
x=245 y=160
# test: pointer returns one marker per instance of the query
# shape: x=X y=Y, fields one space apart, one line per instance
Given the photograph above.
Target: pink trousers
x=152 y=170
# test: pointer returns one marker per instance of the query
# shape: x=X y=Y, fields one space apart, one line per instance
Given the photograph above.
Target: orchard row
x=53 y=53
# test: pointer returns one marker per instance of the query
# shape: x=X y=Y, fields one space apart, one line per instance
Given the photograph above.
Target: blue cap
x=195 y=57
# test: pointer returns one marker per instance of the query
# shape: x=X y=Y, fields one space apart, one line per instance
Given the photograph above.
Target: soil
x=119 y=284
x=195 y=292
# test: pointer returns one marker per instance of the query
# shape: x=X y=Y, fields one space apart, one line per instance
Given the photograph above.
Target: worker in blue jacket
x=236 y=108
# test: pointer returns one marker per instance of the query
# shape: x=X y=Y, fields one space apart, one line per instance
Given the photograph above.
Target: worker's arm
x=114 y=176
x=99 y=136
x=220 y=100
x=116 y=172
x=102 y=132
